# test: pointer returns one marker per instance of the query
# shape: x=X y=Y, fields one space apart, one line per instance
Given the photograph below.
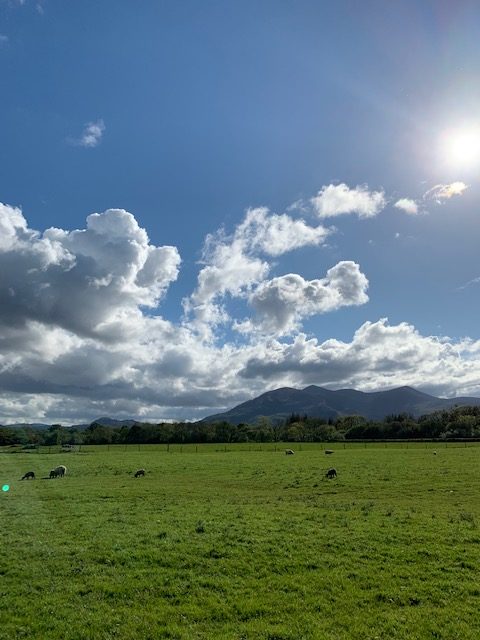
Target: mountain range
x=318 y=402
x=104 y=421
x=315 y=402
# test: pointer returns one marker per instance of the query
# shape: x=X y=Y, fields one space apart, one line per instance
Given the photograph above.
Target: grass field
x=242 y=544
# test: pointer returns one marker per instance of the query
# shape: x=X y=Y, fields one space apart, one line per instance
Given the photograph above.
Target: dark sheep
x=140 y=472
x=61 y=471
x=331 y=473
x=53 y=474
x=289 y=452
x=29 y=475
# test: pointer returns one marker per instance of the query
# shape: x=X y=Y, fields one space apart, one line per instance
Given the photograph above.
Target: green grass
x=242 y=544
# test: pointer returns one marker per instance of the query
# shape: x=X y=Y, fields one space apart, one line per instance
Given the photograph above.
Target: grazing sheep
x=29 y=475
x=140 y=472
x=289 y=452
x=434 y=453
x=331 y=473
x=53 y=474
x=61 y=471
x=328 y=451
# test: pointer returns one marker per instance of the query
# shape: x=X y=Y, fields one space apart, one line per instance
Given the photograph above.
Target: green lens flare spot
x=6 y=487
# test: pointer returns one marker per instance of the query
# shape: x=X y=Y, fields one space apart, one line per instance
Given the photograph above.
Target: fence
x=244 y=446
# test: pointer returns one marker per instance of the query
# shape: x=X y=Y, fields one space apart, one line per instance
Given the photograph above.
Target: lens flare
x=6 y=487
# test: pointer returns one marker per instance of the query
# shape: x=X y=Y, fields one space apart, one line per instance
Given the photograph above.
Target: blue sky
x=188 y=115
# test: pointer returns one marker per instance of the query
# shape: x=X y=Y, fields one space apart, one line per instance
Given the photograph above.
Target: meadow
x=242 y=542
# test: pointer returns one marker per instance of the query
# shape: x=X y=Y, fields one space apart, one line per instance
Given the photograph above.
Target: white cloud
x=76 y=341
x=334 y=200
x=407 y=205
x=237 y=263
x=91 y=135
x=281 y=303
x=380 y=355
x=275 y=234
x=442 y=192
x=82 y=280
x=471 y=282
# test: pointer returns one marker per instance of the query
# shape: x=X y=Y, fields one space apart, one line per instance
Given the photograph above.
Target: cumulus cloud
x=275 y=234
x=82 y=280
x=380 y=355
x=407 y=205
x=334 y=200
x=91 y=135
x=236 y=263
x=77 y=342
x=281 y=303
x=441 y=192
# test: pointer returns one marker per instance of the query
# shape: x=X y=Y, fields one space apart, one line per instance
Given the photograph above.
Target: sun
x=461 y=147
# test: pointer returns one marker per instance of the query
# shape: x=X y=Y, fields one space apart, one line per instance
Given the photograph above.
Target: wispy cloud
x=469 y=283
x=441 y=192
x=407 y=205
x=91 y=135
x=334 y=200
x=3 y=39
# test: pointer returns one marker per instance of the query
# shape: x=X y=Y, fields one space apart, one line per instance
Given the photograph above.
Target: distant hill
x=23 y=425
x=111 y=422
x=104 y=421
x=322 y=403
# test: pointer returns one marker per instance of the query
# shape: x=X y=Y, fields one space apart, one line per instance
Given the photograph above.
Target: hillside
x=323 y=403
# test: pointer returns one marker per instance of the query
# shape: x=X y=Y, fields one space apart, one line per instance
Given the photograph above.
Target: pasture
x=242 y=543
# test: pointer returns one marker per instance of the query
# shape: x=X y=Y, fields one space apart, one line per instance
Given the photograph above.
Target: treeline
x=459 y=422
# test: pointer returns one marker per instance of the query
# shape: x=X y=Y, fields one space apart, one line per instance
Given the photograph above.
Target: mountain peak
x=318 y=402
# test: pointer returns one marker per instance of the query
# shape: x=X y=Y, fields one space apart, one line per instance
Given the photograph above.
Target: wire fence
x=273 y=447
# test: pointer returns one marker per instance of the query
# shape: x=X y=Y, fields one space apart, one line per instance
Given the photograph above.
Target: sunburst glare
x=461 y=147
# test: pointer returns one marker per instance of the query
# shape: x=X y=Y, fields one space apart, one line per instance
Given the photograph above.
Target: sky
x=203 y=201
